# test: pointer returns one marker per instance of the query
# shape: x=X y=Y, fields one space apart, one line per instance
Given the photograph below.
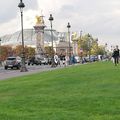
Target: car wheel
x=6 y=67
x=28 y=63
x=18 y=67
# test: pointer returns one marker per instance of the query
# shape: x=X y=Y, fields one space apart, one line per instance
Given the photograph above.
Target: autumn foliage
x=7 y=51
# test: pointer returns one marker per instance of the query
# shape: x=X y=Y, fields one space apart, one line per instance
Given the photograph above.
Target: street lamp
x=23 y=67
x=81 y=35
x=51 y=19
x=106 y=49
x=97 y=47
x=0 y=52
x=111 y=48
x=89 y=45
x=81 y=45
x=69 y=26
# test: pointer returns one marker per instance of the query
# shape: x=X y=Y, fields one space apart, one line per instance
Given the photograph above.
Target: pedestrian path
x=6 y=74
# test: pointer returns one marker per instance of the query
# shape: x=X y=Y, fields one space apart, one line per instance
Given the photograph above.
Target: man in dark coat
x=116 y=55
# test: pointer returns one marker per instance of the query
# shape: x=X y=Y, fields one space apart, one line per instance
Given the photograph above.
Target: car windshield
x=11 y=58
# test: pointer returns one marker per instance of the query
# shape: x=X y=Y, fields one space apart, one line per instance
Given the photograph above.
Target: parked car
x=38 y=61
x=12 y=62
x=49 y=61
x=91 y=59
x=44 y=61
x=34 y=61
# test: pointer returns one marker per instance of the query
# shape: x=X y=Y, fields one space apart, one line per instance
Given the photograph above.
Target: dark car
x=34 y=61
x=12 y=62
x=49 y=61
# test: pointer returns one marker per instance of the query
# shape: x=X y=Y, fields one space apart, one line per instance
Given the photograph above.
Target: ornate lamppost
x=69 y=26
x=0 y=52
x=81 y=45
x=81 y=35
x=89 y=45
x=23 y=67
x=106 y=49
x=51 y=19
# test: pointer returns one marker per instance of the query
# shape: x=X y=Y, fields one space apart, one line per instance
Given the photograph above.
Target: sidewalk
x=6 y=74
x=16 y=73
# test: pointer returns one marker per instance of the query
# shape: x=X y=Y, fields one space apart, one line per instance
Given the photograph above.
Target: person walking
x=61 y=60
x=116 y=55
x=56 y=59
x=66 y=60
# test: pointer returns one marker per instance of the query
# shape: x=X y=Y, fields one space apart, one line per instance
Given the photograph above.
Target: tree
x=84 y=44
x=17 y=50
x=95 y=47
x=101 y=50
x=49 y=51
x=88 y=44
x=29 y=51
x=5 y=51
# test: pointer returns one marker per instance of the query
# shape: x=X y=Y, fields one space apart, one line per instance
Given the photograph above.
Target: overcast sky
x=101 y=18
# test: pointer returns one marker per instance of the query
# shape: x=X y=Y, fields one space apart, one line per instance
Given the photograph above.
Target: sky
x=100 y=18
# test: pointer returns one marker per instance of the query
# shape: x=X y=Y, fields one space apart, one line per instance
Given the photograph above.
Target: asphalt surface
x=5 y=74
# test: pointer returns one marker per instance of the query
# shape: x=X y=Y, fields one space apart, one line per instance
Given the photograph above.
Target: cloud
x=98 y=17
x=9 y=8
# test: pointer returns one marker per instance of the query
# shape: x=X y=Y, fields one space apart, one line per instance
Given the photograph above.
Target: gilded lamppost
x=69 y=26
x=51 y=19
x=23 y=67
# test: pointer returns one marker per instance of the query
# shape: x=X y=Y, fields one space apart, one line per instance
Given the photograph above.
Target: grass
x=83 y=92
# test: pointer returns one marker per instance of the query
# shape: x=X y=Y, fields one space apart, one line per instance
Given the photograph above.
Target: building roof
x=29 y=37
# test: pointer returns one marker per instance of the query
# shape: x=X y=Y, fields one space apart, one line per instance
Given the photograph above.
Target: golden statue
x=74 y=35
x=39 y=20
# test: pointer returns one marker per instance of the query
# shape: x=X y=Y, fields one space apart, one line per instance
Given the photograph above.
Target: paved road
x=4 y=74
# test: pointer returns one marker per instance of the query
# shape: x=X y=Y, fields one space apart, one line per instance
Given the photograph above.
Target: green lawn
x=83 y=92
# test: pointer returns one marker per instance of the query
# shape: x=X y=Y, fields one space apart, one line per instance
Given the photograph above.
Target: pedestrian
x=66 y=60
x=73 y=59
x=115 y=55
x=56 y=59
x=61 y=60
